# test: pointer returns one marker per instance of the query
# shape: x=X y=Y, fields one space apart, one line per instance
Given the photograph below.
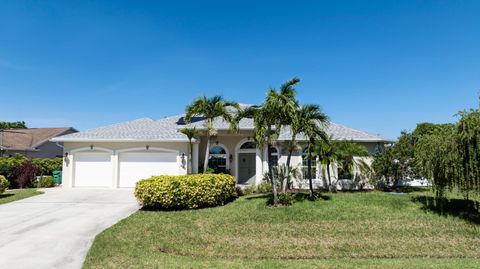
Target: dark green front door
x=246 y=168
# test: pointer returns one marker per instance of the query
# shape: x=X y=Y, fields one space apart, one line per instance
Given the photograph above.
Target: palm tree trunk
x=287 y=170
x=309 y=167
x=190 y=157
x=270 y=169
x=207 y=151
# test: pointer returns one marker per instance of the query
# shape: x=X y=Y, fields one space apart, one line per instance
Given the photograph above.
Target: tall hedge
x=189 y=191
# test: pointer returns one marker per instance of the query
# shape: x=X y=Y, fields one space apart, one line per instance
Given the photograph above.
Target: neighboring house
x=119 y=155
x=32 y=142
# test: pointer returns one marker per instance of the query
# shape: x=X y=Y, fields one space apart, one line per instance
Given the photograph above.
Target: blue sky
x=380 y=66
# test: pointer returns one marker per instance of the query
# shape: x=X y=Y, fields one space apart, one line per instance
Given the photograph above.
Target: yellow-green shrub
x=189 y=191
x=3 y=184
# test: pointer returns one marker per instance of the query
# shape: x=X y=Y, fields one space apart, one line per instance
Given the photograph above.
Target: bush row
x=21 y=171
x=188 y=191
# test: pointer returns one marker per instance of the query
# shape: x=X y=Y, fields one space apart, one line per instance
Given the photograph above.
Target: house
x=32 y=142
x=119 y=155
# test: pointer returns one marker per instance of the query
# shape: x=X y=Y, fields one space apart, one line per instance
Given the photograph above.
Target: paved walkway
x=56 y=229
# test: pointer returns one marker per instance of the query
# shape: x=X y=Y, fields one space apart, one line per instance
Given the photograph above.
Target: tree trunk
x=207 y=151
x=287 y=170
x=270 y=170
x=309 y=172
x=190 y=159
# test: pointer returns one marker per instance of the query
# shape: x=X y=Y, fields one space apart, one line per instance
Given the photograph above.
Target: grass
x=17 y=194
x=345 y=230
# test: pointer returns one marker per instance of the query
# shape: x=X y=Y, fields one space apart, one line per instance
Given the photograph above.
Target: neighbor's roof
x=167 y=130
x=29 y=139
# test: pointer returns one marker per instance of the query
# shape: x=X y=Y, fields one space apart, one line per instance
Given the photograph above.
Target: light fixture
x=231 y=157
x=182 y=156
x=66 y=154
x=216 y=142
x=248 y=138
x=147 y=147
x=91 y=147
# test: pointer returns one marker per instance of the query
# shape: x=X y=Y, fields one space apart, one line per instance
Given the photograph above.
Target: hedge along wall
x=189 y=191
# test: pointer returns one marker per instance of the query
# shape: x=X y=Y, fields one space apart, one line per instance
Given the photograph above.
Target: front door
x=246 y=168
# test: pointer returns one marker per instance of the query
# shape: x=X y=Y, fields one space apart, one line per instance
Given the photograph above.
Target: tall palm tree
x=312 y=119
x=190 y=133
x=211 y=108
x=269 y=119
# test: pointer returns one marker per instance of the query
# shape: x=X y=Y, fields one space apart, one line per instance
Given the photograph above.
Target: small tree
x=190 y=133
x=211 y=108
x=25 y=174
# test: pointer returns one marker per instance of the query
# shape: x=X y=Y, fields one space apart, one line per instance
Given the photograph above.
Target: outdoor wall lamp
x=182 y=157
x=231 y=157
x=67 y=161
x=216 y=142
x=91 y=147
x=147 y=147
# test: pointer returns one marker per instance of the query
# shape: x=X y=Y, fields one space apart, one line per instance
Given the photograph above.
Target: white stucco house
x=117 y=156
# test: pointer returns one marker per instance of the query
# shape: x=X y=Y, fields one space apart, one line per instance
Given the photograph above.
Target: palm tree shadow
x=465 y=209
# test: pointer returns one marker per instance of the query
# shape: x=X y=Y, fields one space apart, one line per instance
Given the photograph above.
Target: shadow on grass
x=5 y=195
x=465 y=209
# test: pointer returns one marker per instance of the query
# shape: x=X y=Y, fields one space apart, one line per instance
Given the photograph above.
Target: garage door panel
x=134 y=166
x=93 y=169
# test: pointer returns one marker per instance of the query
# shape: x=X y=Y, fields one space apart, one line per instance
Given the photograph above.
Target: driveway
x=56 y=229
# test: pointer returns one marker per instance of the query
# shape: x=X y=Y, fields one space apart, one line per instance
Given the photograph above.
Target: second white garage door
x=134 y=166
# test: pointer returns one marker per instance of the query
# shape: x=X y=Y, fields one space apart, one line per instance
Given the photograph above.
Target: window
x=217 y=159
x=305 y=165
x=248 y=145
x=274 y=155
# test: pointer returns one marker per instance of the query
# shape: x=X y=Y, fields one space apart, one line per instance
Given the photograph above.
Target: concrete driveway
x=56 y=229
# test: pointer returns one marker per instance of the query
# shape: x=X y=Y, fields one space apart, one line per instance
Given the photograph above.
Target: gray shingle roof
x=144 y=129
x=167 y=129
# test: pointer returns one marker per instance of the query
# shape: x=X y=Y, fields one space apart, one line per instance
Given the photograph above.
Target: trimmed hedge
x=189 y=191
x=3 y=184
x=46 y=182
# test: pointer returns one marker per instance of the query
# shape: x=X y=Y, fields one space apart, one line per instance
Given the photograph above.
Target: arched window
x=248 y=145
x=274 y=156
x=217 y=159
x=305 y=164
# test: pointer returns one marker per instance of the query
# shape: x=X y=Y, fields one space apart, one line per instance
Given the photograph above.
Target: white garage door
x=134 y=166
x=93 y=169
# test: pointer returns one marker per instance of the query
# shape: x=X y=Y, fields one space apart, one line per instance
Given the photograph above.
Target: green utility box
x=57 y=177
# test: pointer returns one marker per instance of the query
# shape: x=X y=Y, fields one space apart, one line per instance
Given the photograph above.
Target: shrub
x=47 y=166
x=46 y=182
x=9 y=165
x=25 y=174
x=3 y=184
x=283 y=199
x=264 y=187
x=189 y=191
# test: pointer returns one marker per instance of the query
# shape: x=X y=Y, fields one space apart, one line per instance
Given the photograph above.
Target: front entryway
x=246 y=168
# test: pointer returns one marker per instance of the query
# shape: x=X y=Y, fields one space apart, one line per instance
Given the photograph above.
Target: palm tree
x=269 y=119
x=211 y=108
x=327 y=154
x=312 y=119
x=190 y=133
x=341 y=152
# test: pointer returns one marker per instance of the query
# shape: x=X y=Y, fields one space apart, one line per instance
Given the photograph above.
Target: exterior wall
x=231 y=142
x=114 y=148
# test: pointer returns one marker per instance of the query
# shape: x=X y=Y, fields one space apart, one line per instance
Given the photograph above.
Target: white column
x=195 y=158
x=114 y=160
x=258 y=166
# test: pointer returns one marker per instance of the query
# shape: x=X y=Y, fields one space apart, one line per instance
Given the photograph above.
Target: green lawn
x=18 y=194
x=345 y=230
